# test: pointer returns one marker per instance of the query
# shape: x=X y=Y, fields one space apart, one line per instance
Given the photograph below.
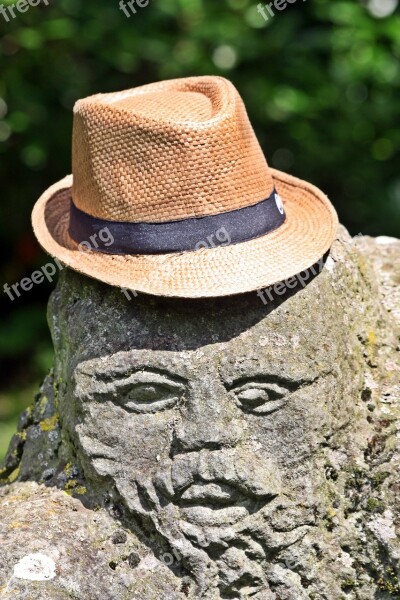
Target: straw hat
x=171 y=195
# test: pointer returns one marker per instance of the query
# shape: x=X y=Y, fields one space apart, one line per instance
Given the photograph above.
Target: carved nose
x=209 y=420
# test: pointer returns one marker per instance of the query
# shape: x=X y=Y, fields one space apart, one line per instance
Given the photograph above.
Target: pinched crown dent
x=167 y=151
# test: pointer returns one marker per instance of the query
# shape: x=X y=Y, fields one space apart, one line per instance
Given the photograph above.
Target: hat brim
x=308 y=232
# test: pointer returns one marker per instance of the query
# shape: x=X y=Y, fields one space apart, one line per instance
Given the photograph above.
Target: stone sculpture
x=227 y=448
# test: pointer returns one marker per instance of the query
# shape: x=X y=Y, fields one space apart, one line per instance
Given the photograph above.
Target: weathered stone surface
x=226 y=448
x=80 y=543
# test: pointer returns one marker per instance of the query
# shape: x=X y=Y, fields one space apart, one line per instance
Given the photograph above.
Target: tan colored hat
x=171 y=195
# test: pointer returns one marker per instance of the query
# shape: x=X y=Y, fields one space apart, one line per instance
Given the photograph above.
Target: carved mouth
x=204 y=493
x=218 y=503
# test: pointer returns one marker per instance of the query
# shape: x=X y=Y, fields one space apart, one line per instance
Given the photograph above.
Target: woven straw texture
x=169 y=151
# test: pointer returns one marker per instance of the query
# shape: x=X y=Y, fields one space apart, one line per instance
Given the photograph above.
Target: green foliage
x=320 y=79
x=321 y=82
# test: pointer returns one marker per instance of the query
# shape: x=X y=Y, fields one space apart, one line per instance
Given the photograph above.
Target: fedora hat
x=171 y=195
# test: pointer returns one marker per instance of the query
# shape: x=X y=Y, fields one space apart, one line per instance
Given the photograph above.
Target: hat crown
x=167 y=151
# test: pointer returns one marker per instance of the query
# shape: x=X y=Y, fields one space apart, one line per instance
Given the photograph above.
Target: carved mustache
x=216 y=473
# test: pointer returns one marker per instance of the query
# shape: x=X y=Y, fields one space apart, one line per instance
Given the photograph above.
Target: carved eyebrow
x=102 y=385
x=148 y=378
x=118 y=375
x=290 y=384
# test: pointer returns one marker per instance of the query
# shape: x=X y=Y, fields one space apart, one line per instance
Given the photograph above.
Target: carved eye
x=146 y=392
x=259 y=397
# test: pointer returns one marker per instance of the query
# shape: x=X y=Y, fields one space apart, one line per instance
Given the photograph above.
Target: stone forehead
x=98 y=320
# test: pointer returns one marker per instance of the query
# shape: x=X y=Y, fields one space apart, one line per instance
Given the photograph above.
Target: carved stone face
x=208 y=420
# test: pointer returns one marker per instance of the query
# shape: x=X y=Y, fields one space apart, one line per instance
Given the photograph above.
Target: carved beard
x=217 y=512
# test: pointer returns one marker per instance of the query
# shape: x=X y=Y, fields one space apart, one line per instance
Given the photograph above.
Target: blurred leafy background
x=321 y=81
